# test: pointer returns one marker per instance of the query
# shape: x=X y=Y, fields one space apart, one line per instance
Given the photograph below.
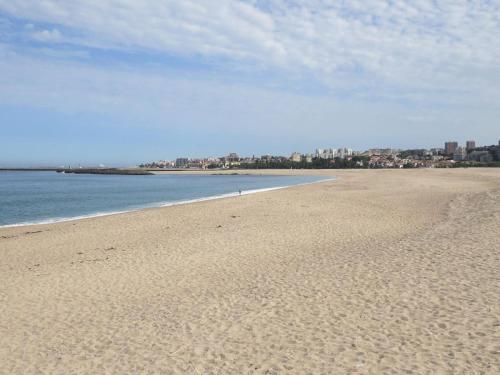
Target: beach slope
x=388 y=271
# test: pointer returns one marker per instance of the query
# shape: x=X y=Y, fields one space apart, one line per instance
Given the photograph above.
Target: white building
x=296 y=157
x=332 y=153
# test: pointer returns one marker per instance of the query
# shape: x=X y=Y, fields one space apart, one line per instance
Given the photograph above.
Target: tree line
x=357 y=162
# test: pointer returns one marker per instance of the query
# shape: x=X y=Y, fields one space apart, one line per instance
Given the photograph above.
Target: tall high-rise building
x=470 y=145
x=450 y=147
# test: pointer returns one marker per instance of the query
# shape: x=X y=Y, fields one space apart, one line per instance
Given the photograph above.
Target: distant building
x=436 y=151
x=324 y=153
x=332 y=153
x=450 y=147
x=480 y=156
x=181 y=162
x=296 y=157
x=344 y=153
x=233 y=157
x=327 y=153
x=470 y=145
x=460 y=154
x=381 y=151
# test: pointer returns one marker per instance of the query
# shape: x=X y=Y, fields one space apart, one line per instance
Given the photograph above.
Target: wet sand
x=389 y=271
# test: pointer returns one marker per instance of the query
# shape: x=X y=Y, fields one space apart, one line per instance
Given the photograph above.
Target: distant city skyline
x=204 y=78
x=452 y=155
x=466 y=145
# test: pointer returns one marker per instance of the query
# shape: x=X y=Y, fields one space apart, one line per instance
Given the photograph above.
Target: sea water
x=44 y=197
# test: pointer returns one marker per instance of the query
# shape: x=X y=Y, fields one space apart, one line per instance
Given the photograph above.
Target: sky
x=120 y=82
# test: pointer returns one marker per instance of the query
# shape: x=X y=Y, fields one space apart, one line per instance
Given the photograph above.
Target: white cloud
x=165 y=101
x=422 y=51
x=415 y=44
x=48 y=36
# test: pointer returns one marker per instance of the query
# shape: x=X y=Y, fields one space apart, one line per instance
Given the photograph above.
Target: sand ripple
x=379 y=273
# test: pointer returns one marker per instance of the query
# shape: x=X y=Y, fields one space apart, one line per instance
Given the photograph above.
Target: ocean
x=46 y=197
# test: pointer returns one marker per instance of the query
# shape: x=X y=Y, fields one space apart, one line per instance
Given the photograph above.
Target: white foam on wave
x=161 y=204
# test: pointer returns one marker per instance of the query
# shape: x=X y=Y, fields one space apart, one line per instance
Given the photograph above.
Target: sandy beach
x=379 y=272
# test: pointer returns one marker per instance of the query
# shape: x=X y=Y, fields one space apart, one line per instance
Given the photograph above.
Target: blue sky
x=121 y=82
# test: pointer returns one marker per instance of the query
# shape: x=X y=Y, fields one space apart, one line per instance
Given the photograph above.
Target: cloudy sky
x=126 y=81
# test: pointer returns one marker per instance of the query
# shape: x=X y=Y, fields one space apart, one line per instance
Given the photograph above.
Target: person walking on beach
x=239 y=191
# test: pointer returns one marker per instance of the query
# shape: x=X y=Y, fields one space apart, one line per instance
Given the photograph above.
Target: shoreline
x=159 y=205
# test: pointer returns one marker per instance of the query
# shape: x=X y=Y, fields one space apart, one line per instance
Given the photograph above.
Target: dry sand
x=380 y=272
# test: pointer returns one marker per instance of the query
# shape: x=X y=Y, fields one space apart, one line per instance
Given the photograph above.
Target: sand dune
x=380 y=272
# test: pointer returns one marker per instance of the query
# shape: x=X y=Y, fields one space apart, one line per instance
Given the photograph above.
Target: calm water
x=36 y=197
